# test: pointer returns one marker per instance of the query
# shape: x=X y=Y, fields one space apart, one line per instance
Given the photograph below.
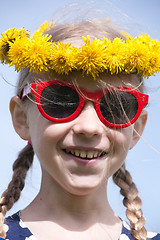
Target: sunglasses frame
x=37 y=88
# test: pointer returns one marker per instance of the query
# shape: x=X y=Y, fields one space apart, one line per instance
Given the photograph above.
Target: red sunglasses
x=62 y=102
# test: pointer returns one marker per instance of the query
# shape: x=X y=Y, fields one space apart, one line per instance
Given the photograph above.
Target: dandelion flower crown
x=40 y=54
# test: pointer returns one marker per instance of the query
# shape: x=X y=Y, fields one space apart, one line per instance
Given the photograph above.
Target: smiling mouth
x=85 y=154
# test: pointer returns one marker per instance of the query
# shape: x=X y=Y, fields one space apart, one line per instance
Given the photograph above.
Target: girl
x=80 y=104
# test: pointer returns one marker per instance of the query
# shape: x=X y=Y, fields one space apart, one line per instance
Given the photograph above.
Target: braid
x=12 y=194
x=132 y=202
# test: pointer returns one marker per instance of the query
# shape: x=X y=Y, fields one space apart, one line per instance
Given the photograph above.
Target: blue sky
x=143 y=161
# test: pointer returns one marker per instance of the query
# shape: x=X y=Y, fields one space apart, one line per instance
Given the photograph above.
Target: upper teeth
x=85 y=154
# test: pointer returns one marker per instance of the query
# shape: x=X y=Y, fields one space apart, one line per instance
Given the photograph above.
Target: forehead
x=105 y=80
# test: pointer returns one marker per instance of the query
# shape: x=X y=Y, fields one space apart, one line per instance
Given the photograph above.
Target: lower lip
x=88 y=162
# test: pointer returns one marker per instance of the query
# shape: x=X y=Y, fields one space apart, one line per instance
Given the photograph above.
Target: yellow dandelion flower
x=138 y=54
x=126 y=35
x=38 y=53
x=144 y=38
x=62 y=58
x=13 y=33
x=3 y=52
x=115 y=55
x=153 y=56
x=45 y=27
x=91 y=57
x=8 y=37
x=17 y=52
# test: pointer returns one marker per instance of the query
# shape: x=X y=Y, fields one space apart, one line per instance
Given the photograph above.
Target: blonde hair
x=67 y=32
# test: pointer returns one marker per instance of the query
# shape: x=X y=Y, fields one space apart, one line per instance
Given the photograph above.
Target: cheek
x=45 y=135
x=124 y=137
x=37 y=127
x=122 y=140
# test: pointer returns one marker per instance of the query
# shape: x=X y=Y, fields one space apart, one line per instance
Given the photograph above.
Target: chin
x=84 y=185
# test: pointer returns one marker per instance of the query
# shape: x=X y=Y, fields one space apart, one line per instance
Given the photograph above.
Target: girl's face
x=79 y=156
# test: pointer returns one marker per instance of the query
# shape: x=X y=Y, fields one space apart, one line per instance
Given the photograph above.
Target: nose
x=88 y=123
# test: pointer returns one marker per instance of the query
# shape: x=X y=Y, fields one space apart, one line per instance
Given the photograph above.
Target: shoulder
x=126 y=233
x=16 y=229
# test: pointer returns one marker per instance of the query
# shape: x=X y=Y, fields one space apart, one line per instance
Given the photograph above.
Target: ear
x=19 y=118
x=138 y=128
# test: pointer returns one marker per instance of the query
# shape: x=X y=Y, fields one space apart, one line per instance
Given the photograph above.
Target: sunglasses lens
x=59 y=101
x=118 y=107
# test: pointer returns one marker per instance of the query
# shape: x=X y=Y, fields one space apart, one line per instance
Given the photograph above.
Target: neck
x=58 y=205
x=72 y=216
